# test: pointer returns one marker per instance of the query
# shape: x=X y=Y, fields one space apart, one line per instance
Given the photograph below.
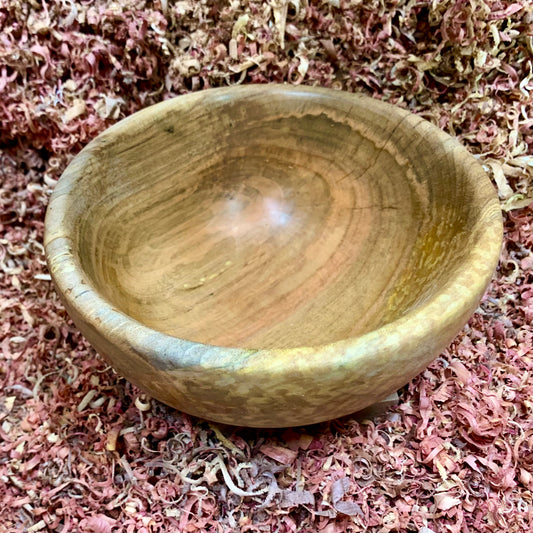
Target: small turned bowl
x=271 y=255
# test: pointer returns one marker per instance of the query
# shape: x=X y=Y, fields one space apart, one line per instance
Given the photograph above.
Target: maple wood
x=235 y=251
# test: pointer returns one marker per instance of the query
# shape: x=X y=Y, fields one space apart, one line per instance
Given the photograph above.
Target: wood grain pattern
x=267 y=255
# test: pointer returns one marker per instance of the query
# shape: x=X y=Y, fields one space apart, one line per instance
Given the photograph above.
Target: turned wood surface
x=270 y=218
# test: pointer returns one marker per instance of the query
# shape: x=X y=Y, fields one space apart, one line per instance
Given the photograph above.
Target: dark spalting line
x=81 y=294
x=159 y=362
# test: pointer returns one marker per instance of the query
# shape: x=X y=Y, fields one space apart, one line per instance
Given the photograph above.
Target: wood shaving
x=82 y=450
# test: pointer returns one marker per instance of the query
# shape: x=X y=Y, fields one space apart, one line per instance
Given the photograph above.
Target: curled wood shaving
x=82 y=450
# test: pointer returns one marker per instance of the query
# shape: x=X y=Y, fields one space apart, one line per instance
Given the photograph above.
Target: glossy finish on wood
x=272 y=255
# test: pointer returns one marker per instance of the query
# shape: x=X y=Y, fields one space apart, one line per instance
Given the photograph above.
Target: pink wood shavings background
x=82 y=450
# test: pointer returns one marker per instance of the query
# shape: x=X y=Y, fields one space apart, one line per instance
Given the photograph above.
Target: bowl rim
x=458 y=297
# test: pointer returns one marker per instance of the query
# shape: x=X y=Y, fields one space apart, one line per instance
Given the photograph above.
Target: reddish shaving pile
x=83 y=450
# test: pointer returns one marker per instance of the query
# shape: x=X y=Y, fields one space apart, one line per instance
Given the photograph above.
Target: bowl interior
x=291 y=222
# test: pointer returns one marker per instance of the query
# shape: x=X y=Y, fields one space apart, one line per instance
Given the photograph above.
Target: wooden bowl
x=272 y=255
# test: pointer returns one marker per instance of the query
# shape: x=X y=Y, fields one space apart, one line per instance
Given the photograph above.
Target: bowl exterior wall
x=290 y=389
